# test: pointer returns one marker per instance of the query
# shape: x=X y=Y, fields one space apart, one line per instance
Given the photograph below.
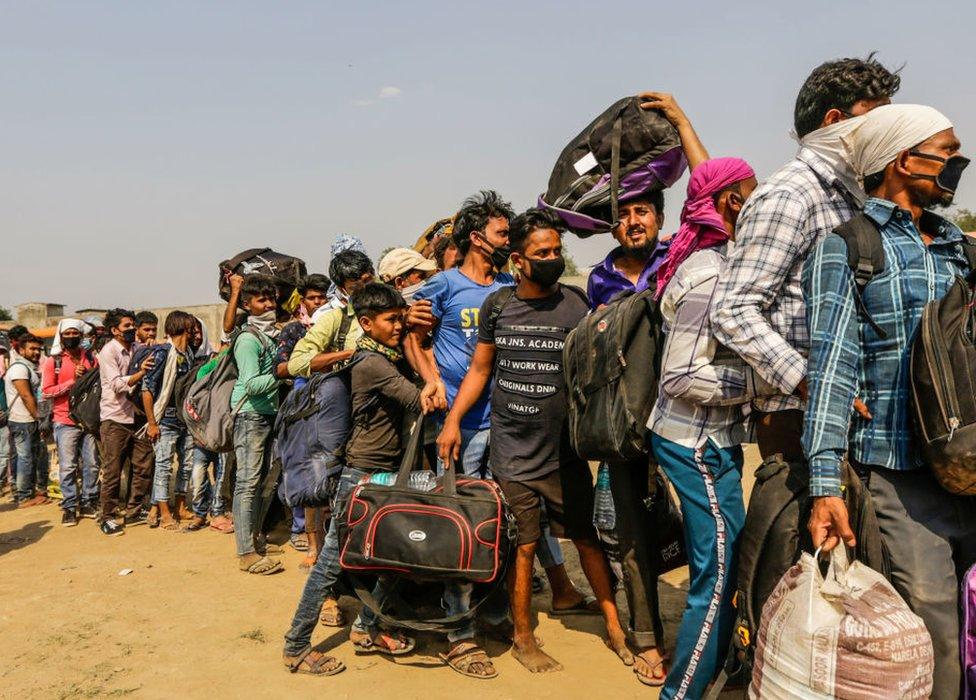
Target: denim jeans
x=324 y=575
x=6 y=463
x=256 y=481
x=474 y=454
x=172 y=442
x=206 y=497
x=75 y=447
x=32 y=464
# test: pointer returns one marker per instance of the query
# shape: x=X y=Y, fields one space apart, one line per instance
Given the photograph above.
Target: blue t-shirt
x=456 y=302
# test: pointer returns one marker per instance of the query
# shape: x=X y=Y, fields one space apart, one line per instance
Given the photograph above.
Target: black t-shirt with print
x=528 y=401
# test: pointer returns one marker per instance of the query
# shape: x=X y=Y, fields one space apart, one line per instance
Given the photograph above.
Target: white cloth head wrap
x=64 y=323
x=828 y=143
x=887 y=131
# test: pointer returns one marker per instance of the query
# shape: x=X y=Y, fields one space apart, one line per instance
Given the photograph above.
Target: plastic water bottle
x=423 y=480
x=604 y=514
x=383 y=478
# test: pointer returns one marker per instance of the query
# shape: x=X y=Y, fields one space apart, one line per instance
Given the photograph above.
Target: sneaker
x=112 y=528
x=68 y=518
x=138 y=518
x=88 y=512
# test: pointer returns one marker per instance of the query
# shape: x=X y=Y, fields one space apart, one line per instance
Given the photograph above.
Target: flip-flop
x=461 y=661
x=651 y=680
x=224 y=527
x=587 y=606
x=367 y=645
x=263 y=567
x=301 y=664
x=332 y=616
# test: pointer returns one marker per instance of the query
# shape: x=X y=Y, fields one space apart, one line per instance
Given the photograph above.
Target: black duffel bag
x=286 y=270
x=459 y=531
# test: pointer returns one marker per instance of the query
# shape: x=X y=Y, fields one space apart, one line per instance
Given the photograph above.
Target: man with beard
x=860 y=344
x=632 y=264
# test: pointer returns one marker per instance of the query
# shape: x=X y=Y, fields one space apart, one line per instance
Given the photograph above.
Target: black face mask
x=499 y=253
x=129 y=336
x=71 y=343
x=546 y=273
x=948 y=179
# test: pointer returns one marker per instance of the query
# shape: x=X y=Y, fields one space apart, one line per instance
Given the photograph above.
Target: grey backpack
x=206 y=409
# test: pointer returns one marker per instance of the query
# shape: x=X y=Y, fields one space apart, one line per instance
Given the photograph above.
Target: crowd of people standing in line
x=765 y=341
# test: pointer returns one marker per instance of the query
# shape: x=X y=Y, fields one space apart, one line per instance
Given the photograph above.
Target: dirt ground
x=186 y=623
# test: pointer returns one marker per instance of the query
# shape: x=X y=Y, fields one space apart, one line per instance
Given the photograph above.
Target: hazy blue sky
x=142 y=142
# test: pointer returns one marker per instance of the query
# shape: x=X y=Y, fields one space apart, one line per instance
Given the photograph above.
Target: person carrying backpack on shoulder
x=863 y=324
x=59 y=372
x=383 y=394
x=255 y=401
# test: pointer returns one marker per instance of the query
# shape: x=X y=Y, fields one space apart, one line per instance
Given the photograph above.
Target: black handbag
x=460 y=530
x=669 y=525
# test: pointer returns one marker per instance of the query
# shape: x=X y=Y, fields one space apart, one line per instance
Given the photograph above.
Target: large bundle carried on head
x=622 y=154
x=286 y=270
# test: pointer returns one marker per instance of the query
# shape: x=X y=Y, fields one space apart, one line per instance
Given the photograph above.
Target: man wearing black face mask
x=520 y=343
x=908 y=157
x=118 y=429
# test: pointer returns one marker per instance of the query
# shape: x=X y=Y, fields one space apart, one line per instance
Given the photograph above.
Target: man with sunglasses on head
x=861 y=337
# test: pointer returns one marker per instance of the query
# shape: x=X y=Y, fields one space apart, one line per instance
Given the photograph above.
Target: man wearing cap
x=407 y=270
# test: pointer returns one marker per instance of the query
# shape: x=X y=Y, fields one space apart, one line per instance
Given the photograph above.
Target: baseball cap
x=399 y=261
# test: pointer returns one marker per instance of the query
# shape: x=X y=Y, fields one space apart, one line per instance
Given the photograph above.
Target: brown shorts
x=568 y=495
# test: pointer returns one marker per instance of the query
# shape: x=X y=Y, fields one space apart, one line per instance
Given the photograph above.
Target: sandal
x=586 y=606
x=332 y=615
x=299 y=542
x=368 y=644
x=650 y=678
x=223 y=525
x=464 y=656
x=152 y=519
x=197 y=523
x=263 y=567
x=323 y=665
x=169 y=524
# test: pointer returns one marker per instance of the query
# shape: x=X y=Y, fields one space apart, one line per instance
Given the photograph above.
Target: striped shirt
x=849 y=359
x=705 y=388
x=759 y=311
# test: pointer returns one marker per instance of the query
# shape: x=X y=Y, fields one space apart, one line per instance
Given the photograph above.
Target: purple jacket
x=606 y=281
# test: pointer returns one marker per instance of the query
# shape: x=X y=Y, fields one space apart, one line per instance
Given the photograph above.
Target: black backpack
x=773 y=537
x=286 y=270
x=611 y=362
x=944 y=389
x=624 y=152
x=84 y=402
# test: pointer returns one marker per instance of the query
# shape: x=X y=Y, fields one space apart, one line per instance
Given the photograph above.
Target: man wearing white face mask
x=758 y=311
x=255 y=397
x=406 y=270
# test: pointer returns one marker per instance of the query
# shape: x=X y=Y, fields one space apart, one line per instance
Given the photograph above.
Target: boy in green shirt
x=255 y=401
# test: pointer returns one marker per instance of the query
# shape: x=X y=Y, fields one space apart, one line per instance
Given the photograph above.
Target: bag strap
x=502 y=297
x=865 y=257
x=969 y=250
x=615 y=135
x=411 y=457
x=344 y=325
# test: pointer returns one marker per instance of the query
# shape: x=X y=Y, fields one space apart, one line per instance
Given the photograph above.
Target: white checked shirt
x=705 y=388
x=759 y=311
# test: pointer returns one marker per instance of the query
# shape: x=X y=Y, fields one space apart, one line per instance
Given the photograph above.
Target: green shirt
x=256 y=389
x=321 y=338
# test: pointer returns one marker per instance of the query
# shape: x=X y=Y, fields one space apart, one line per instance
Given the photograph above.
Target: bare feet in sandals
x=255 y=563
x=528 y=653
x=379 y=642
x=470 y=660
x=649 y=667
x=314 y=663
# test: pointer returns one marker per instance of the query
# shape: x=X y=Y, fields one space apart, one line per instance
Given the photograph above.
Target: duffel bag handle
x=411 y=457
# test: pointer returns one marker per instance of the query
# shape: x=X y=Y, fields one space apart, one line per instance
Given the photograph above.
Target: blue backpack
x=311 y=430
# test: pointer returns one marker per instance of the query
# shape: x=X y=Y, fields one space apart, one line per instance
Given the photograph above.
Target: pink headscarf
x=701 y=226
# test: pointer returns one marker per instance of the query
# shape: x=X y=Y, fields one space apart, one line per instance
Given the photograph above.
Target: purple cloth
x=606 y=281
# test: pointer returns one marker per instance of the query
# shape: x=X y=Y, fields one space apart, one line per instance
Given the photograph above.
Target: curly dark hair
x=474 y=214
x=838 y=85
x=113 y=317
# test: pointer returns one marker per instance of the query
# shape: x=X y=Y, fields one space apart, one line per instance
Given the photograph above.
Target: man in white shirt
x=21 y=384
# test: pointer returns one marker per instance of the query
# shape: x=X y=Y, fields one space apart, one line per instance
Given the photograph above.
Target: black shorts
x=568 y=495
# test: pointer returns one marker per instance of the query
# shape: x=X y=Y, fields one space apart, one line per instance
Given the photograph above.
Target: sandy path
x=185 y=622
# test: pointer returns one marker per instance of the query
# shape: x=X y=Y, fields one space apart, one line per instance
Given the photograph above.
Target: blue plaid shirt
x=849 y=359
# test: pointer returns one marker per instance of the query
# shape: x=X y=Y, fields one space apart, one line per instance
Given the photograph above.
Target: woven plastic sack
x=847 y=635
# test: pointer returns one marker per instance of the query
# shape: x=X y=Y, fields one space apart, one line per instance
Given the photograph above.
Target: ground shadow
x=25 y=536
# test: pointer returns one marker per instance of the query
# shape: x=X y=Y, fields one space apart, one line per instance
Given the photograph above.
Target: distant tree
x=5 y=314
x=965 y=219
